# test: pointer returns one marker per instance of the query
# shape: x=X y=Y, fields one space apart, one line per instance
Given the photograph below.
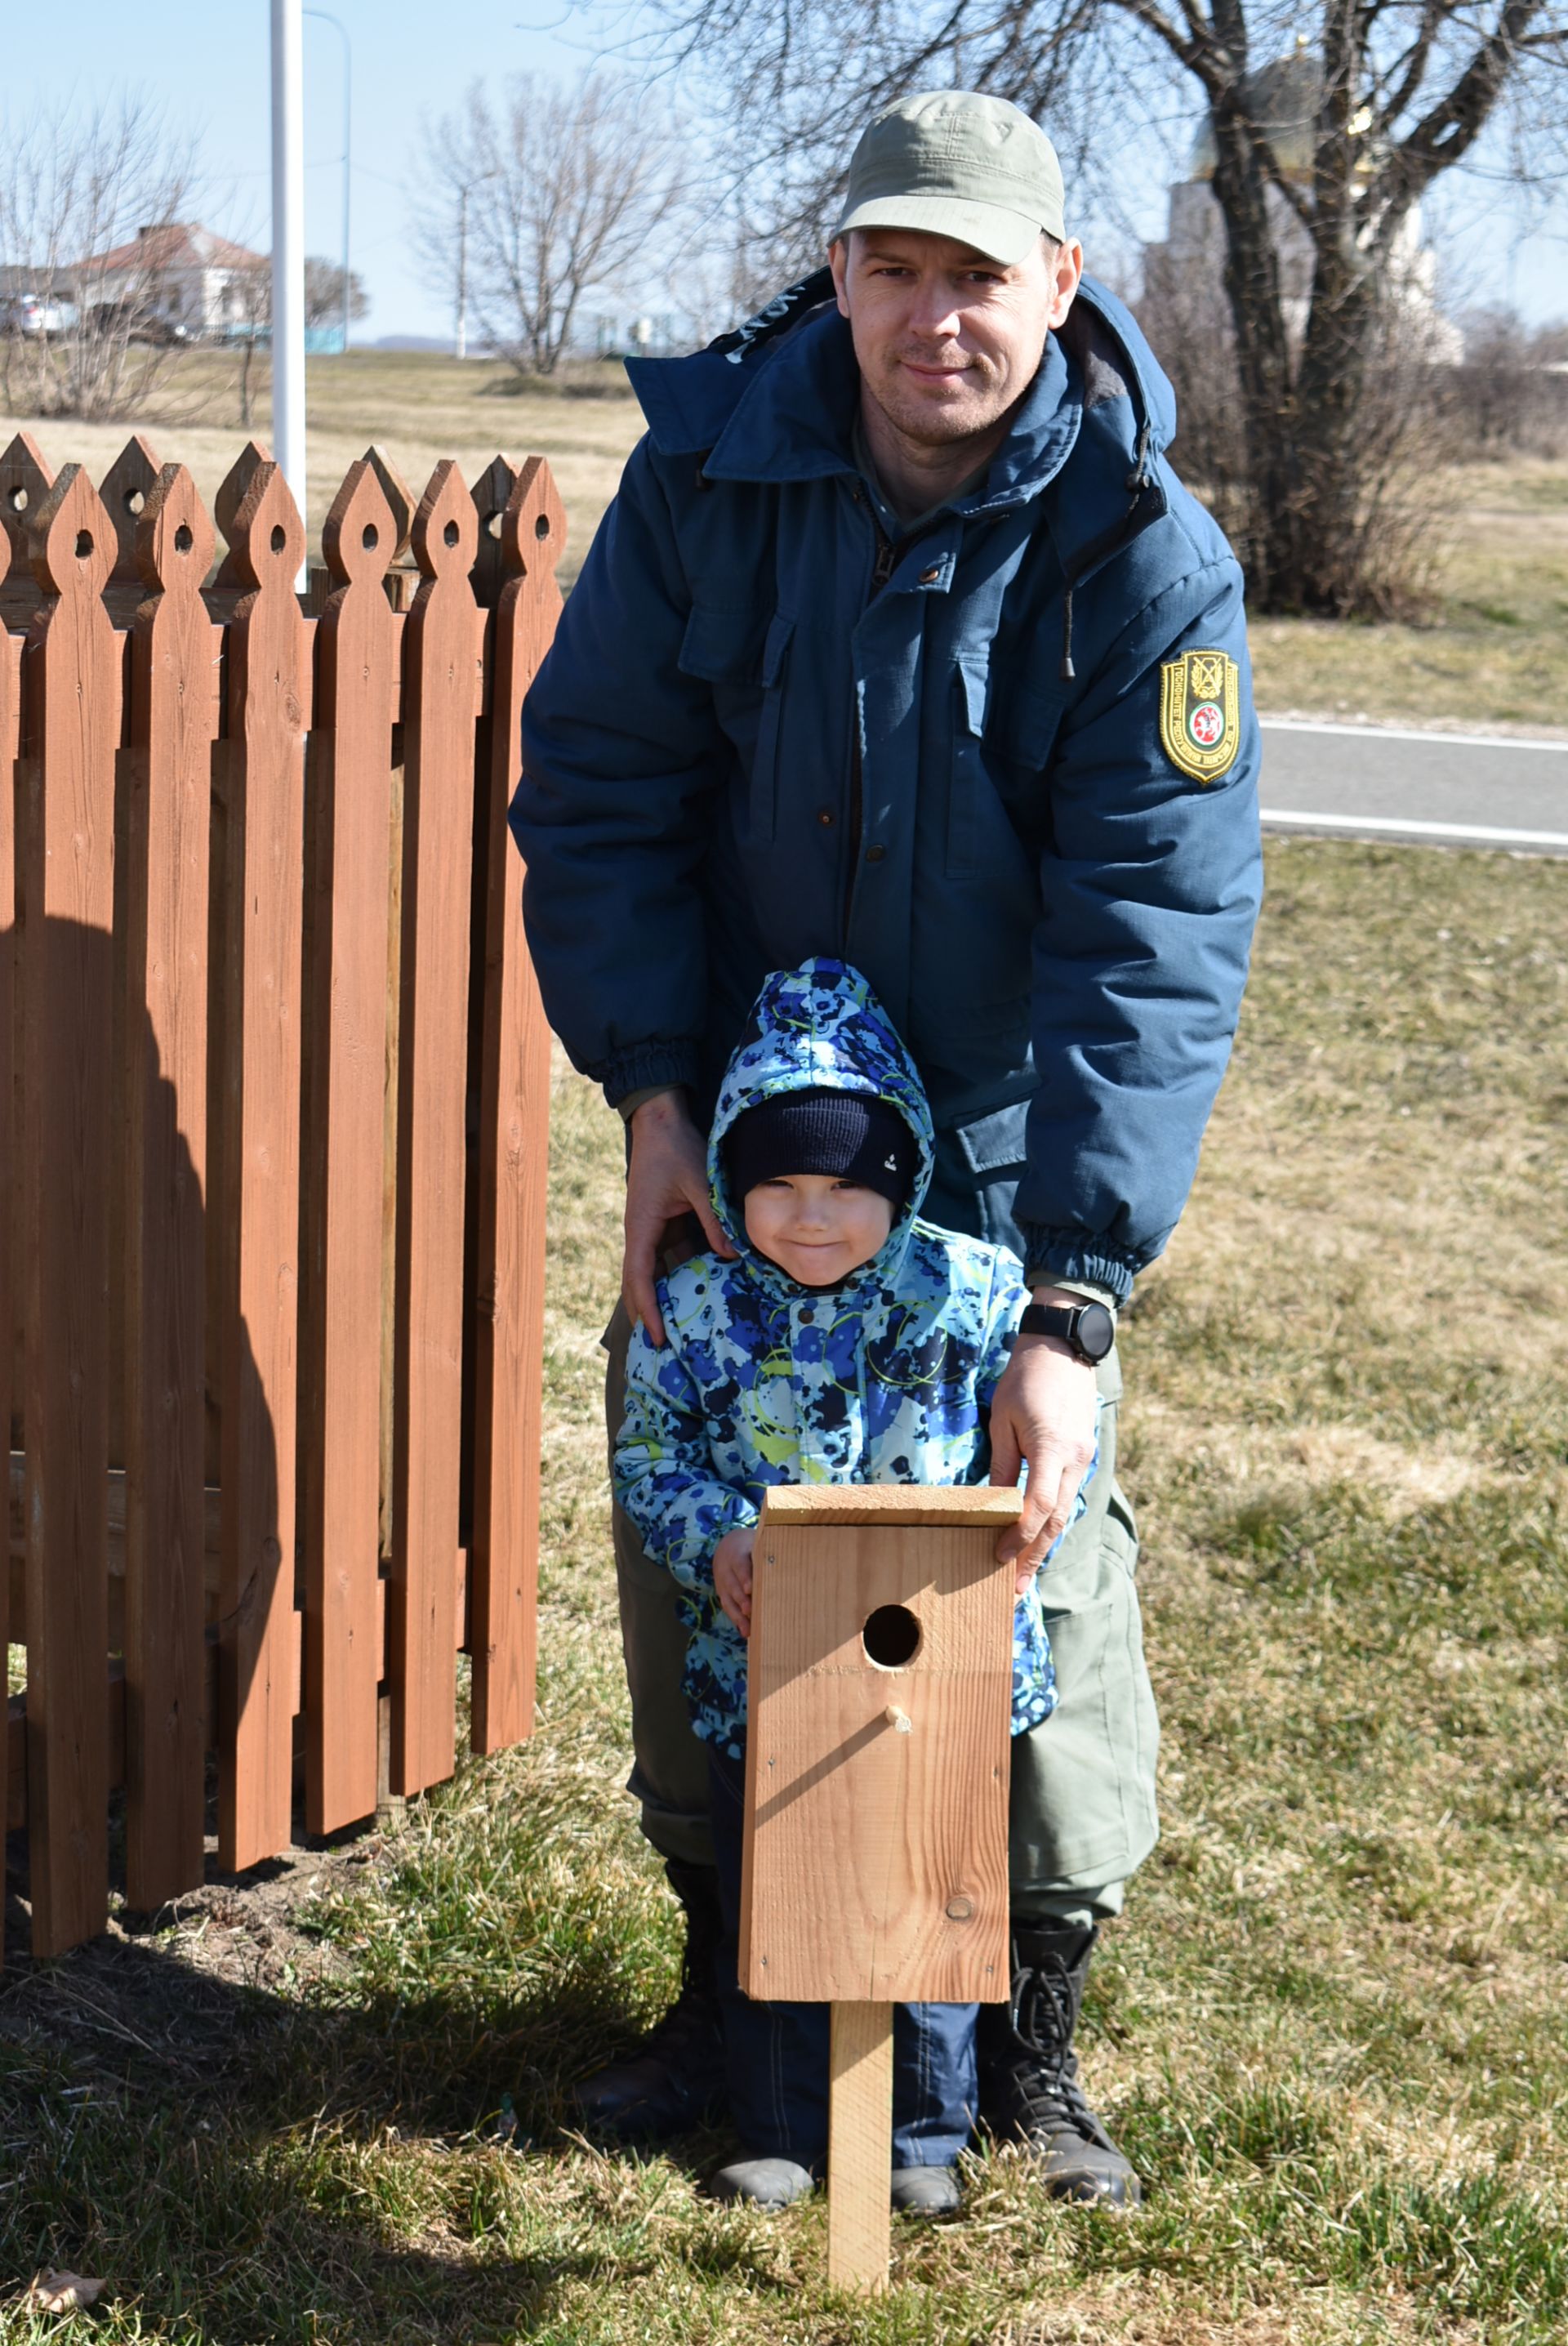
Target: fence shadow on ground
x=253 y=2162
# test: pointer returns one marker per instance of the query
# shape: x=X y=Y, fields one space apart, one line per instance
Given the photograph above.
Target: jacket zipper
x=881 y=571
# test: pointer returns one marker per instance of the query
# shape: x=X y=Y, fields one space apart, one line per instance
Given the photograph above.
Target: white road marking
x=1488 y=835
x=1394 y=733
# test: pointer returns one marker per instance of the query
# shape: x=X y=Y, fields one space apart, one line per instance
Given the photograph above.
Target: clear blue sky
x=412 y=59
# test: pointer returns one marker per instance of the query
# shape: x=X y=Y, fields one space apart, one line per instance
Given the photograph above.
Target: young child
x=849 y=1342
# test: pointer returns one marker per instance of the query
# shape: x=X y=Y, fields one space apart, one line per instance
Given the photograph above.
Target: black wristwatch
x=1087 y=1330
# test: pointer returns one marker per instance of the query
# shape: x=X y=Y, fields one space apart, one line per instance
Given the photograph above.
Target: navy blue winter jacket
x=743 y=750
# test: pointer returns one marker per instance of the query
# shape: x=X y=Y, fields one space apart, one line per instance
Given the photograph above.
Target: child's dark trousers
x=777 y=2054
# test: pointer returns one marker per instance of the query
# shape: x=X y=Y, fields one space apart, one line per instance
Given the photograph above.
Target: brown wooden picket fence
x=277 y=1081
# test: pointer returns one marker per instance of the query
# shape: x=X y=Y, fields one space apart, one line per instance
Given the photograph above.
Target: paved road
x=1382 y=782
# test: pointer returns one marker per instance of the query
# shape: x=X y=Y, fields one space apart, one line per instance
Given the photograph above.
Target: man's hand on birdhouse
x=1043 y=1411
x=732 y=1575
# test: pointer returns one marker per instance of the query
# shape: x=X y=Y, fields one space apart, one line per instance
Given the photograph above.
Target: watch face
x=1096 y=1331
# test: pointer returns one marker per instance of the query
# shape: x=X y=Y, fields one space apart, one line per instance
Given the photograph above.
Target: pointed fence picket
x=273 y=1088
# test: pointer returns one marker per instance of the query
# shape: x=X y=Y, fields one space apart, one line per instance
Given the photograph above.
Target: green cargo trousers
x=1083 y=1796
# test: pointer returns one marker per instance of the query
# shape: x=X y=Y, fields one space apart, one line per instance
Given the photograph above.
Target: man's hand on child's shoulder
x=732 y=1575
x=667 y=1179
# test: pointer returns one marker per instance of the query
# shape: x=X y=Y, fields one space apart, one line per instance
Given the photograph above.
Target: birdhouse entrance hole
x=891 y=1636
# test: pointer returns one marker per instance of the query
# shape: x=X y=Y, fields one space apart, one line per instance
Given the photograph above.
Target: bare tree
x=1510 y=395
x=1402 y=92
x=324 y=293
x=538 y=199
x=74 y=187
x=251 y=297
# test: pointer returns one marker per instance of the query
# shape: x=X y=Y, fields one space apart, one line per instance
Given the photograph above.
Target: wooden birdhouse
x=881 y=1671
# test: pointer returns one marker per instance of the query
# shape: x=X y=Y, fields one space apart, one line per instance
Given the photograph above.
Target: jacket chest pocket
x=745 y=659
x=998 y=810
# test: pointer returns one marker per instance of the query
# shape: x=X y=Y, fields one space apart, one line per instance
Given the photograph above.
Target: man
x=902 y=642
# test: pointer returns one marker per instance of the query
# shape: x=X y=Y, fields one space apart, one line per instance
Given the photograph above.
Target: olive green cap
x=955 y=163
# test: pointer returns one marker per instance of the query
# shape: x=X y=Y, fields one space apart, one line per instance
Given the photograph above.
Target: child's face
x=816 y=1227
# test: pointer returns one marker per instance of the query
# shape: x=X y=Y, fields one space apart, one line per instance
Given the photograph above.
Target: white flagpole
x=289 y=248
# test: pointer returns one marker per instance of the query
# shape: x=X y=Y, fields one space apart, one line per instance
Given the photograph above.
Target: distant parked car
x=35 y=313
x=138 y=323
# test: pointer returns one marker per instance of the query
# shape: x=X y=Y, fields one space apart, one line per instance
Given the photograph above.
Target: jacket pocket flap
x=973 y=689
x=994 y=1144
x=780 y=628
x=721 y=645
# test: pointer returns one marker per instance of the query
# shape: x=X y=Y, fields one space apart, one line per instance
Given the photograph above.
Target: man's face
x=947 y=340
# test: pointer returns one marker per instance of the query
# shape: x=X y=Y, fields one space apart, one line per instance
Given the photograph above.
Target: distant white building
x=188 y=280
x=1284 y=96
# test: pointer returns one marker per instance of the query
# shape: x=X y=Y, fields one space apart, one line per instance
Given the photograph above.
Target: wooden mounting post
x=860 y=2146
x=875 y=1867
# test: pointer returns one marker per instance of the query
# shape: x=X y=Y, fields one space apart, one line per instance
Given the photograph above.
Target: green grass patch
x=1328 y=2029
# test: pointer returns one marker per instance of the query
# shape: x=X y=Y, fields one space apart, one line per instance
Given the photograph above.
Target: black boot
x=675 y=2078
x=1029 y=2089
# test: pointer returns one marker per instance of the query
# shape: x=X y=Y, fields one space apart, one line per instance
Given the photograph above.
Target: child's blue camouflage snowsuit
x=886 y=1378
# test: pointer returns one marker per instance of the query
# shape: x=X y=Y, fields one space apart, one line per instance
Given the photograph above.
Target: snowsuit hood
x=818 y=1028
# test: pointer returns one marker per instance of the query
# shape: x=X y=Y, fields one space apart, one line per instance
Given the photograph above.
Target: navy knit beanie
x=850 y=1136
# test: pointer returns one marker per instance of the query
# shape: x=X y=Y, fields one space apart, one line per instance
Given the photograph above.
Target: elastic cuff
x=1037 y=1275
x=626 y=1108
x=1069 y=1255
x=646 y=1067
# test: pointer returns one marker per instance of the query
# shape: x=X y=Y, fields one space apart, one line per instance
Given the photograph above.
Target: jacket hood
x=818 y=1028
x=776 y=400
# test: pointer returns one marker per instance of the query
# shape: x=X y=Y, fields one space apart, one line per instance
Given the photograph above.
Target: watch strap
x=1058 y=1320
x=1064 y=1321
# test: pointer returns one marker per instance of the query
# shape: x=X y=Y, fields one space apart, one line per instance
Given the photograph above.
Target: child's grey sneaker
x=926 y=2191
x=771 y=2182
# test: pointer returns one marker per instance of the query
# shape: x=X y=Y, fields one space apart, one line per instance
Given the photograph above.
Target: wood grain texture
x=10 y=709
x=12 y=1191
x=74 y=686
x=340 y=1439
x=442 y=642
x=892 y=1503
x=25 y=481
x=860 y=2146
x=266 y=718
x=125 y=489
x=514 y=1143
x=876 y=1857
x=173 y=723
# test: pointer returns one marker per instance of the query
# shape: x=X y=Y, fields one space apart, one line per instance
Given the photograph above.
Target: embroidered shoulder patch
x=1200 y=713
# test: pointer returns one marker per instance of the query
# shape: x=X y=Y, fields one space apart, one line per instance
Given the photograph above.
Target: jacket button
x=929 y=578
x=825 y=817
x=875 y=854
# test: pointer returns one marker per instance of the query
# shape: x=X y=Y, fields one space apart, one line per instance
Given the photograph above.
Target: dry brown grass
x=418 y=406
x=1496 y=656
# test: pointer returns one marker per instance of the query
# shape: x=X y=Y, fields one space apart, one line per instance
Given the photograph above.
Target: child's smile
x=815 y=1226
